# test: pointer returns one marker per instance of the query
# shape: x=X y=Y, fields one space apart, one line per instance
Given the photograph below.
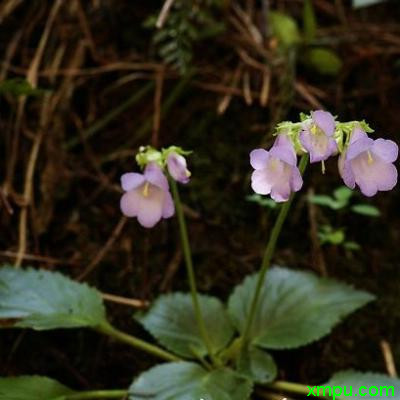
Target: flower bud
x=177 y=167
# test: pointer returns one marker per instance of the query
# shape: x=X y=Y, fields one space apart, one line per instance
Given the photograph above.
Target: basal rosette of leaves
x=212 y=350
x=287 y=318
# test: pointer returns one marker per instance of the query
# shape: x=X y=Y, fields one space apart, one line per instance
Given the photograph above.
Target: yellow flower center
x=273 y=164
x=370 y=159
x=146 y=189
x=314 y=129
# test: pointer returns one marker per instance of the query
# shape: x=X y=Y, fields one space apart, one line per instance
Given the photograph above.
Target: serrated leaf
x=172 y=322
x=285 y=28
x=295 y=307
x=258 y=365
x=372 y=385
x=324 y=61
x=32 y=388
x=186 y=380
x=42 y=299
x=366 y=209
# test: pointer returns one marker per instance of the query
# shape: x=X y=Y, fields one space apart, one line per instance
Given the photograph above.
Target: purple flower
x=147 y=196
x=317 y=136
x=177 y=167
x=368 y=163
x=276 y=172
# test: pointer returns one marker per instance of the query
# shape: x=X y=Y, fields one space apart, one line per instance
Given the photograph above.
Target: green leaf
x=42 y=299
x=172 y=322
x=295 y=307
x=329 y=235
x=323 y=60
x=32 y=388
x=326 y=201
x=19 y=87
x=262 y=201
x=186 y=380
x=350 y=245
x=372 y=385
x=309 y=21
x=343 y=193
x=284 y=28
x=365 y=3
x=366 y=209
x=258 y=365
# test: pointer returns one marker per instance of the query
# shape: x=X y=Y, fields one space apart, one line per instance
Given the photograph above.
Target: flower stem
x=97 y=394
x=190 y=271
x=290 y=387
x=269 y=251
x=133 y=341
x=296 y=388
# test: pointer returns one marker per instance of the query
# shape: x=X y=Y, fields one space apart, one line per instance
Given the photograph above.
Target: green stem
x=97 y=394
x=269 y=251
x=190 y=271
x=290 y=387
x=133 y=341
x=296 y=388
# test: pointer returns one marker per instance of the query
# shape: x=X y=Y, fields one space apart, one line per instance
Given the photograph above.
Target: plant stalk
x=133 y=341
x=297 y=388
x=269 y=252
x=98 y=394
x=190 y=271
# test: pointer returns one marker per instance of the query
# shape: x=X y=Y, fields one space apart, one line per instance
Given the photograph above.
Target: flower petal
x=260 y=182
x=154 y=174
x=296 y=180
x=283 y=150
x=387 y=150
x=168 y=206
x=130 y=202
x=357 y=134
x=388 y=178
x=359 y=143
x=319 y=146
x=151 y=207
x=281 y=191
x=259 y=158
x=131 y=180
x=368 y=188
x=373 y=174
x=325 y=121
x=346 y=172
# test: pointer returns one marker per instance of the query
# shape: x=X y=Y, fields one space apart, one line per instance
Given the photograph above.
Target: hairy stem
x=190 y=271
x=98 y=394
x=269 y=252
x=133 y=341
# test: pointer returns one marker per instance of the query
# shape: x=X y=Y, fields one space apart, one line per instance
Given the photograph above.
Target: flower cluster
x=362 y=161
x=147 y=195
